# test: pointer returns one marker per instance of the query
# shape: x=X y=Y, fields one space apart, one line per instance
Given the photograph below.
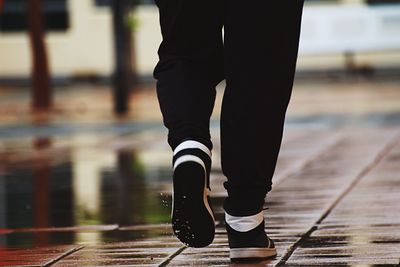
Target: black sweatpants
x=257 y=58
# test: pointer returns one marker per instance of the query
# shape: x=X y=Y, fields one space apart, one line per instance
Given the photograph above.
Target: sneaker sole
x=192 y=218
x=251 y=253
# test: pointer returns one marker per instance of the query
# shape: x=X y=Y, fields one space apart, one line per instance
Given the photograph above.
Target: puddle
x=82 y=186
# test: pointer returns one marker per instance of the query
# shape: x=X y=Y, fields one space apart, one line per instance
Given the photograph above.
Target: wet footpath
x=97 y=192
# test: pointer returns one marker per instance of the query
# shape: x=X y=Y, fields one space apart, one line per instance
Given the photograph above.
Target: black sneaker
x=192 y=217
x=247 y=238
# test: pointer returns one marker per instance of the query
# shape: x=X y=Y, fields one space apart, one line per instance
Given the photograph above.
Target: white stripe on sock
x=192 y=144
x=186 y=158
x=244 y=223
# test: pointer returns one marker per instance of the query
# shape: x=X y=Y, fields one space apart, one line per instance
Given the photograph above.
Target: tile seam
x=62 y=256
x=167 y=260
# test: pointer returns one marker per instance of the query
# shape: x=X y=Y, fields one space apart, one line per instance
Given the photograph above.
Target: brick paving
x=364 y=227
x=334 y=202
x=45 y=256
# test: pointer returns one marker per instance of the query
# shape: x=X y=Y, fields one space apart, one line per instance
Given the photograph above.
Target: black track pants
x=257 y=58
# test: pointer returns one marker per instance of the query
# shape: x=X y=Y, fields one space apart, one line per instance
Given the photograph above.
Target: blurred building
x=350 y=34
x=80 y=36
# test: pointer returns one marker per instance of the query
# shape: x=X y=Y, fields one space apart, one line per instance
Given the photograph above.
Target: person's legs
x=260 y=45
x=190 y=66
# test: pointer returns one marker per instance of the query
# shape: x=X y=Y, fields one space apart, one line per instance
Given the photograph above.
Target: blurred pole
x=1 y=6
x=41 y=190
x=41 y=92
x=123 y=73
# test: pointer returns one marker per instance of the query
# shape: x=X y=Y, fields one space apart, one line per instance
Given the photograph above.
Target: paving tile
x=148 y=252
x=33 y=256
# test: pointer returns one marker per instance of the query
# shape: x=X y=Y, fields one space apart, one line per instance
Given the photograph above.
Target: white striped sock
x=192 y=144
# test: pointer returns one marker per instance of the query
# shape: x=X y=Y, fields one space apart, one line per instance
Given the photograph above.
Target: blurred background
x=81 y=137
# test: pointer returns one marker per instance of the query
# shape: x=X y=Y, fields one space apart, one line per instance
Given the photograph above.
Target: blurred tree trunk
x=1 y=6
x=41 y=191
x=41 y=91
x=124 y=74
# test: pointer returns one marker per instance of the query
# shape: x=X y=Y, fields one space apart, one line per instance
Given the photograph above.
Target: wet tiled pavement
x=334 y=202
x=84 y=199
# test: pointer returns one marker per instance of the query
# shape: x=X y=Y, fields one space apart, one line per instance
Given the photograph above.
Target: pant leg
x=190 y=66
x=261 y=44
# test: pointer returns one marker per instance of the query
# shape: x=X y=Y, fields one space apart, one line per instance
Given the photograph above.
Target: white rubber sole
x=251 y=253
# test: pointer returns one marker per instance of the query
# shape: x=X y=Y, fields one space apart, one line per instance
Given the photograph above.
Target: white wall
x=85 y=48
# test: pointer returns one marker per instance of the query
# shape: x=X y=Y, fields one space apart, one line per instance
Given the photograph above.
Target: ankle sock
x=244 y=223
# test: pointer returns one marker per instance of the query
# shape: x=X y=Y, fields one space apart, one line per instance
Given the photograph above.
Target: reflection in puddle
x=84 y=186
x=29 y=239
